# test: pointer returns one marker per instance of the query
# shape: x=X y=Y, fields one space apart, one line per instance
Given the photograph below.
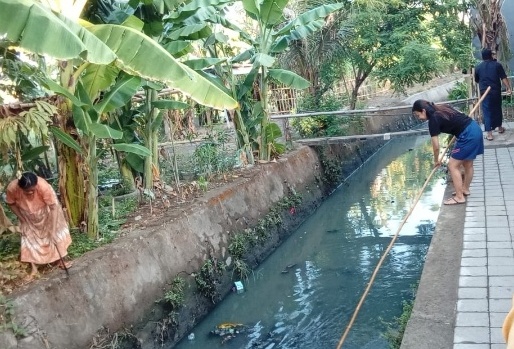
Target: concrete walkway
x=467 y=283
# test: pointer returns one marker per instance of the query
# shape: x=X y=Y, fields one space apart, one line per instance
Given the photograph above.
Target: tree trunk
x=151 y=138
x=71 y=184
x=5 y=223
x=71 y=165
x=92 y=191
x=126 y=174
x=355 y=94
x=242 y=135
x=263 y=86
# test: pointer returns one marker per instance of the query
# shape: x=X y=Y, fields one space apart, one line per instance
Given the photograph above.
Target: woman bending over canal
x=44 y=231
x=469 y=144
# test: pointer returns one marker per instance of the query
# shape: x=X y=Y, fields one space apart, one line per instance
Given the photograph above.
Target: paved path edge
x=432 y=322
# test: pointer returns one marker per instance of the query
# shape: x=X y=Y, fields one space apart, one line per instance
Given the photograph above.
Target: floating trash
x=239 y=288
x=228 y=330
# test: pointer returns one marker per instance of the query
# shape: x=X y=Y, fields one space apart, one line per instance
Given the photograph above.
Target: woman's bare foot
x=32 y=274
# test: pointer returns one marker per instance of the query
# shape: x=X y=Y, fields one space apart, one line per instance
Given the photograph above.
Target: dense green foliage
x=460 y=91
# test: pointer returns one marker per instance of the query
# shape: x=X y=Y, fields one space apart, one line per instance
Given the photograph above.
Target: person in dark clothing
x=469 y=144
x=489 y=72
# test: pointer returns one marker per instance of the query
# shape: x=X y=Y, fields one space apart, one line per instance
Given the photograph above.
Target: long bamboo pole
x=393 y=240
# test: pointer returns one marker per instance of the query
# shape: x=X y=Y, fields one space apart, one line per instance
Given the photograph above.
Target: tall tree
x=273 y=37
x=319 y=57
x=396 y=41
x=489 y=25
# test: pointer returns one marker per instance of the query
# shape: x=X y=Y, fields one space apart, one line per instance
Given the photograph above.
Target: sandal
x=501 y=129
x=453 y=201
x=489 y=138
x=465 y=194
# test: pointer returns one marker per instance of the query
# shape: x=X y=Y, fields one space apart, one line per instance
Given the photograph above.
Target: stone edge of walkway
x=432 y=321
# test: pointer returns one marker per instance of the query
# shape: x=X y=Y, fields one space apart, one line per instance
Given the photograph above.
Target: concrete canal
x=304 y=294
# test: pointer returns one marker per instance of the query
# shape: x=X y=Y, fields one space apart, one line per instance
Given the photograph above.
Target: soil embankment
x=117 y=286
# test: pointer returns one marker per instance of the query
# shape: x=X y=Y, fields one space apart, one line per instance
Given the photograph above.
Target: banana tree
x=190 y=23
x=21 y=22
x=489 y=25
x=194 y=22
x=271 y=40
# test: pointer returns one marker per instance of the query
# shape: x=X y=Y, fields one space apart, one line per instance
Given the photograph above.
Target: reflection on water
x=304 y=294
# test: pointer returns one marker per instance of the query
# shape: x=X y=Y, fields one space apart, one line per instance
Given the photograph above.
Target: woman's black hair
x=487 y=54
x=421 y=104
x=27 y=180
x=446 y=111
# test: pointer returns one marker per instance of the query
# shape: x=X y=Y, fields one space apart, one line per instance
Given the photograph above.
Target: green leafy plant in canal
x=241 y=269
x=208 y=277
x=239 y=244
x=396 y=328
x=6 y=318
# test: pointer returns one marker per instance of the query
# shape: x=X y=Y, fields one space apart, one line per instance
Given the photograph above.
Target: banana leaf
x=23 y=23
x=33 y=153
x=191 y=32
x=169 y=104
x=202 y=63
x=66 y=139
x=132 y=148
x=120 y=94
x=307 y=17
x=98 y=78
x=140 y=55
x=104 y=131
x=289 y=79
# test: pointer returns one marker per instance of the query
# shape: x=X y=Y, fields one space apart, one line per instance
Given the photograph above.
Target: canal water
x=305 y=293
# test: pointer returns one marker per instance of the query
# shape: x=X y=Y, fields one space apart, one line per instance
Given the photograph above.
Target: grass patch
x=109 y=226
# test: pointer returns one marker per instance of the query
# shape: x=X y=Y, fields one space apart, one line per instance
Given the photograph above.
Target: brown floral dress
x=43 y=230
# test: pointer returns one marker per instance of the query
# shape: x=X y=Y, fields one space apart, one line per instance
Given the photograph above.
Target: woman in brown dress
x=45 y=236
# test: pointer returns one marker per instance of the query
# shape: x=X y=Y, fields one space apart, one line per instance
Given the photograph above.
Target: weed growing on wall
x=241 y=270
x=208 y=277
x=6 y=318
x=396 y=328
x=175 y=295
x=241 y=242
x=332 y=170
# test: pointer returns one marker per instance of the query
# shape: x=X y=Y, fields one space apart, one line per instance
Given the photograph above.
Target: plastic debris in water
x=191 y=336
x=228 y=330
